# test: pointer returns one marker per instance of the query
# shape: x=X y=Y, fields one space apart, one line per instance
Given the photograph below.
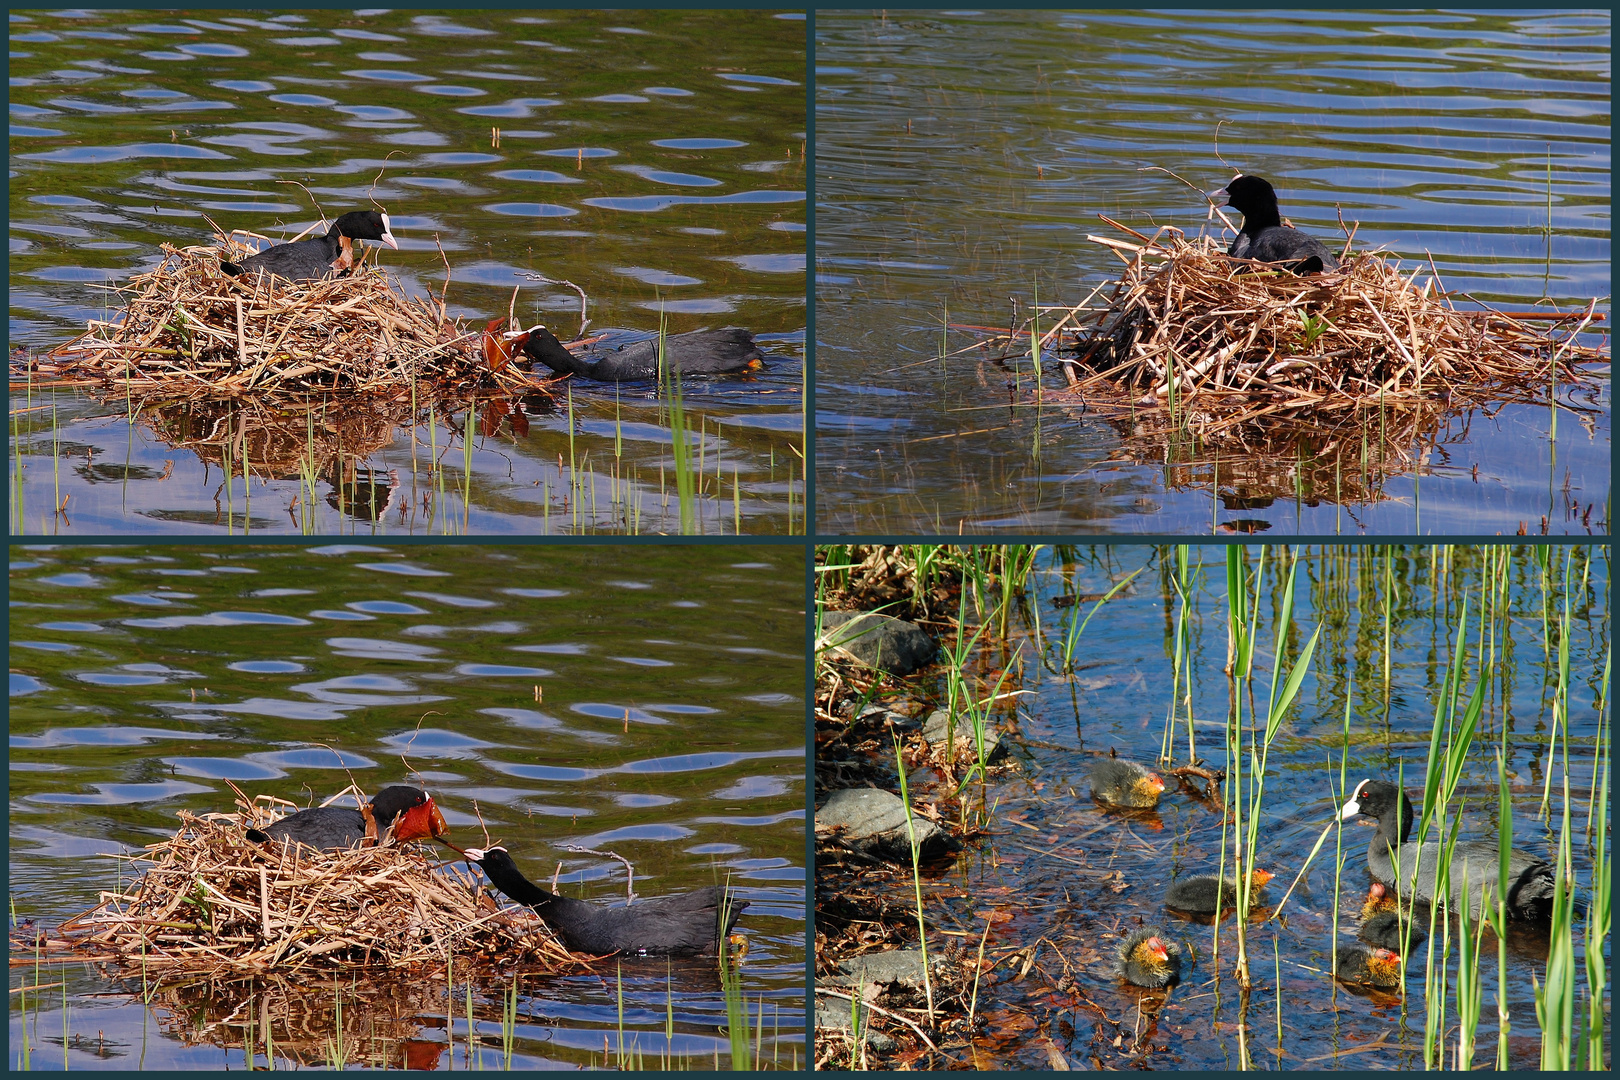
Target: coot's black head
x=542 y=344
x=364 y=225
x=1250 y=196
x=395 y=800
x=1384 y=801
x=488 y=857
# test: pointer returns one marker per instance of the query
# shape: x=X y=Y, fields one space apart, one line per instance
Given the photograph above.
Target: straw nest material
x=187 y=325
x=212 y=901
x=1182 y=327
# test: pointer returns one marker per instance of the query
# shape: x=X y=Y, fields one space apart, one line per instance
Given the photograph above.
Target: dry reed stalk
x=187 y=326
x=212 y=902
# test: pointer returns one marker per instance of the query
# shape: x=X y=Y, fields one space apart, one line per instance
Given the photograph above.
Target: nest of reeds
x=1183 y=327
x=186 y=325
x=212 y=901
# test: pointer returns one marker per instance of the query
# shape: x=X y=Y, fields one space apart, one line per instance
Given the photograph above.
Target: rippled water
x=669 y=728
x=655 y=159
x=963 y=157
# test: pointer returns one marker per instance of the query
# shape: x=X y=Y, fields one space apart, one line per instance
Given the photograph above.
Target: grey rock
x=878 y=641
x=934 y=729
x=873 y=822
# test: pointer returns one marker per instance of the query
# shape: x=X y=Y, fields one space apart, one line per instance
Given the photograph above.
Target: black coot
x=1384 y=930
x=1474 y=863
x=409 y=810
x=1206 y=894
x=703 y=352
x=1369 y=967
x=1264 y=236
x=1148 y=958
x=687 y=924
x=1125 y=783
x=305 y=260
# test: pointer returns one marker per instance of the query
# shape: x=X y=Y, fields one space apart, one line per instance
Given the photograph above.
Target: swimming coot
x=1206 y=894
x=1148 y=958
x=1474 y=863
x=410 y=811
x=1125 y=783
x=702 y=352
x=1264 y=236
x=1384 y=930
x=687 y=924
x=1369 y=967
x=305 y=260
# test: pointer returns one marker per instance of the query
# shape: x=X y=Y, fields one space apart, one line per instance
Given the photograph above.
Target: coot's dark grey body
x=1415 y=868
x=687 y=924
x=307 y=260
x=1264 y=236
x=702 y=352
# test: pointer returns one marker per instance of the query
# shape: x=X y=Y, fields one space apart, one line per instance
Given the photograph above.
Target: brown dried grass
x=213 y=902
x=1180 y=323
x=188 y=327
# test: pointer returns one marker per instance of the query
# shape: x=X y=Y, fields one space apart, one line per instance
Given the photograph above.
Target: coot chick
x=1148 y=958
x=702 y=352
x=1379 y=900
x=1415 y=869
x=410 y=811
x=687 y=924
x=306 y=260
x=1264 y=236
x=1384 y=930
x=1125 y=783
x=1206 y=894
x=1369 y=967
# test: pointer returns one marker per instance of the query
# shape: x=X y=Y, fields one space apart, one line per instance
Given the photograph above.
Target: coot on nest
x=1264 y=236
x=410 y=811
x=306 y=260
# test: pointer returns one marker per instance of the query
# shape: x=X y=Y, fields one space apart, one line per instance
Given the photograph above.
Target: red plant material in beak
x=497 y=353
x=419 y=823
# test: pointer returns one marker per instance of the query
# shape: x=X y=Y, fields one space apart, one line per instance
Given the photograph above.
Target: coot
x=1264 y=236
x=687 y=924
x=1148 y=958
x=410 y=811
x=1369 y=967
x=1415 y=869
x=1384 y=930
x=305 y=260
x=1206 y=894
x=1125 y=783
x=703 y=352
